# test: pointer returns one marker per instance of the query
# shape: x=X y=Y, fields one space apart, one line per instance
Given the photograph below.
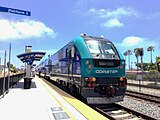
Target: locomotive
x=90 y=66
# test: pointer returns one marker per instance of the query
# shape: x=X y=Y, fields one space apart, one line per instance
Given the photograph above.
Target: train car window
x=67 y=53
x=70 y=54
x=49 y=65
x=73 y=51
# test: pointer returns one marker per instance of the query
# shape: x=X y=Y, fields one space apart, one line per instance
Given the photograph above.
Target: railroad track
x=115 y=111
x=118 y=112
x=143 y=96
x=143 y=86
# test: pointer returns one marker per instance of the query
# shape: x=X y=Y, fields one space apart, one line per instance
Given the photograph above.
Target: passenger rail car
x=90 y=66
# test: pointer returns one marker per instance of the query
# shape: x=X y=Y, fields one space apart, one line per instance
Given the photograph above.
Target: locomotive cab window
x=102 y=49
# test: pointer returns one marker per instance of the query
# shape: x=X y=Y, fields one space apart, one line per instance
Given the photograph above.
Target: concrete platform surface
x=42 y=102
x=27 y=104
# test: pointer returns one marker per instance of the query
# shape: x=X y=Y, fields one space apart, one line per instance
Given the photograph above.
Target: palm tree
x=137 y=54
x=141 y=54
x=129 y=52
x=150 y=48
x=158 y=63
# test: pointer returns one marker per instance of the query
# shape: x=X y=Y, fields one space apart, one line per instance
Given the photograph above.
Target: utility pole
x=4 y=76
x=151 y=56
x=9 y=66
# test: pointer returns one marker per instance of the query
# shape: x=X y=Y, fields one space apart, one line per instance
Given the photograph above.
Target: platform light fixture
x=28 y=48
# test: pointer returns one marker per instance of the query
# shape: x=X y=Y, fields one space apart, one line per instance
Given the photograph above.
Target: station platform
x=41 y=102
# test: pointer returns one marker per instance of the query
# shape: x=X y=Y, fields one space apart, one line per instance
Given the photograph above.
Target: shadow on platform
x=21 y=85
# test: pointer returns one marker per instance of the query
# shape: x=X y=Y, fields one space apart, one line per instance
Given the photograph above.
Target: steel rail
x=143 y=96
x=118 y=112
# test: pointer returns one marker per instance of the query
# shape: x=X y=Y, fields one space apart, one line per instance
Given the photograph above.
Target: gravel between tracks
x=143 y=106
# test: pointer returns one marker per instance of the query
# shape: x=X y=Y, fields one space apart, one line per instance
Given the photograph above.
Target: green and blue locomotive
x=89 y=66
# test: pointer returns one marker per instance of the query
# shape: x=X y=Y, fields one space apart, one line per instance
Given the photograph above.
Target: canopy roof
x=30 y=57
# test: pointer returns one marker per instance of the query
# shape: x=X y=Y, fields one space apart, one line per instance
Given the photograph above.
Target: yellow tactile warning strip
x=85 y=110
x=68 y=113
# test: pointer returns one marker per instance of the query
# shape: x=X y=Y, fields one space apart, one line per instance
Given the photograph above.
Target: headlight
x=87 y=62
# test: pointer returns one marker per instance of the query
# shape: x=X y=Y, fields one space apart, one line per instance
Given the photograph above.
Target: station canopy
x=30 y=57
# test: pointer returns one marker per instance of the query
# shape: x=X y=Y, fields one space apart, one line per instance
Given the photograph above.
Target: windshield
x=102 y=49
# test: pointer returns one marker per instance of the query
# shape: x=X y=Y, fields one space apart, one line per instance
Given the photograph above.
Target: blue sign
x=15 y=11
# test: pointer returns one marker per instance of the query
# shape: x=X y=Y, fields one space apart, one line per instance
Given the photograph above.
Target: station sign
x=139 y=76
x=15 y=11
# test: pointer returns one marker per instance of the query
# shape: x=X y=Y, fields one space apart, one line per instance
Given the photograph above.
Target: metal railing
x=13 y=80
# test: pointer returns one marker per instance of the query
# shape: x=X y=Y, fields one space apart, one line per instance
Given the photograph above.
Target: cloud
x=112 y=23
x=132 y=41
x=2 y=51
x=118 y=13
x=135 y=41
x=25 y=29
x=112 y=17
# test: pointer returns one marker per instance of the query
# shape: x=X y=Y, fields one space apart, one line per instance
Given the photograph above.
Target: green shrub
x=152 y=75
x=131 y=76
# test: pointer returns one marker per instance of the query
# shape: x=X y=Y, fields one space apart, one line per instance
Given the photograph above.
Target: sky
x=53 y=23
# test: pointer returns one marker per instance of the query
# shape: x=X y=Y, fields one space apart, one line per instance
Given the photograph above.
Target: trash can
x=27 y=83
